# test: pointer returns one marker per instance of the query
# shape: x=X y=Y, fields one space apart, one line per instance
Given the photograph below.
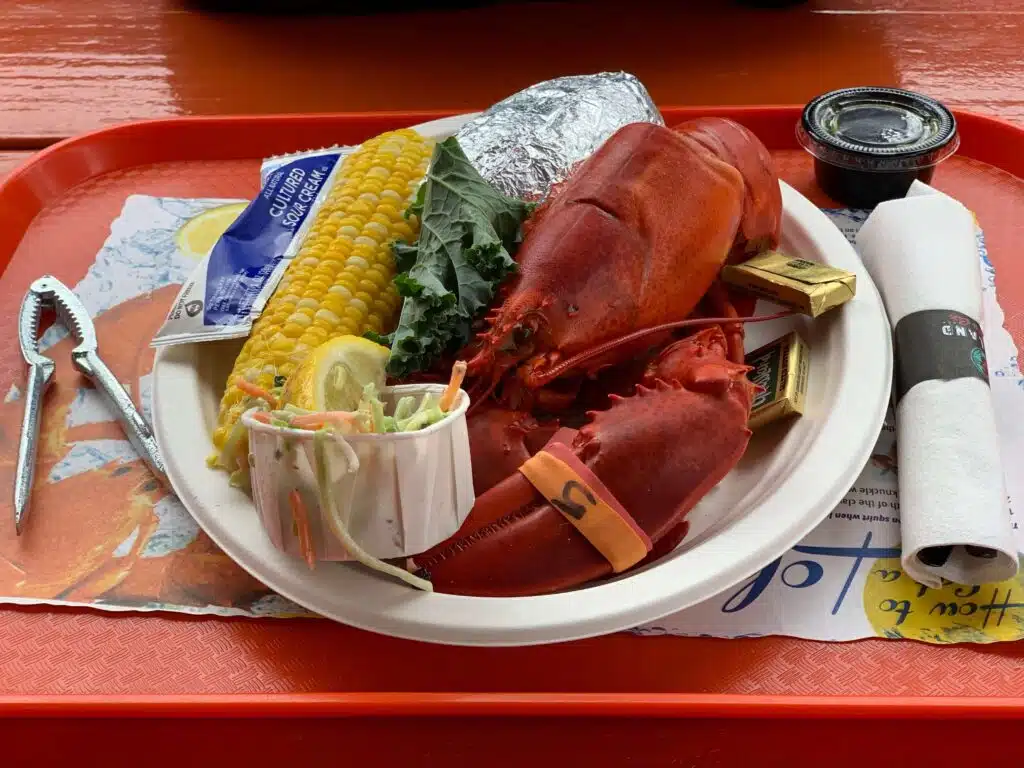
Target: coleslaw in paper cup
x=391 y=494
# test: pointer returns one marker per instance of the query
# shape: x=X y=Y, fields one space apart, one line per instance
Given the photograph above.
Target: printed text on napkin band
x=937 y=345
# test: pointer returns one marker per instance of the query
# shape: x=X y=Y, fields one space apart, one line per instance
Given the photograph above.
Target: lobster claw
x=658 y=452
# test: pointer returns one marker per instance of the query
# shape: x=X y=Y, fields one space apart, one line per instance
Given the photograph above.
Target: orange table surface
x=68 y=66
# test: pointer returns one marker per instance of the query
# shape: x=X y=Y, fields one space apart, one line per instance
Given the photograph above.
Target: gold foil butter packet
x=808 y=287
x=781 y=369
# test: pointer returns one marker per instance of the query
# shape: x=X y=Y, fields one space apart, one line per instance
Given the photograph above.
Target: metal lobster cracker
x=49 y=292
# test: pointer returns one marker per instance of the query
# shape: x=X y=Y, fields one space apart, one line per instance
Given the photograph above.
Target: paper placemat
x=104 y=535
x=844 y=581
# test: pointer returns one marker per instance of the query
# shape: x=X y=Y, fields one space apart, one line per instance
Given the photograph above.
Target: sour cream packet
x=230 y=287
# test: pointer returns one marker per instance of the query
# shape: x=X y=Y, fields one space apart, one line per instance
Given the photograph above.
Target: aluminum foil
x=531 y=140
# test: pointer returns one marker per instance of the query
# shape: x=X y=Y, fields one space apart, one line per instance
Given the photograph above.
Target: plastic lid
x=878 y=129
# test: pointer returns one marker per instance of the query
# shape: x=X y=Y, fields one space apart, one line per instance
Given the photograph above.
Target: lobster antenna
x=600 y=349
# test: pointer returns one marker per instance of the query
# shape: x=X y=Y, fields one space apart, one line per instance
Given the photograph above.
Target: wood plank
x=11 y=160
x=72 y=67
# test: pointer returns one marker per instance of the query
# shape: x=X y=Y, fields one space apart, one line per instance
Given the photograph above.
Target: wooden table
x=69 y=67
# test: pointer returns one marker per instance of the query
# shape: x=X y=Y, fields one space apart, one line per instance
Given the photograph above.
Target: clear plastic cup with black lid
x=870 y=144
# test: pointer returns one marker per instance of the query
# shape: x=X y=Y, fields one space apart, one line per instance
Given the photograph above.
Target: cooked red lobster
x=623 y=254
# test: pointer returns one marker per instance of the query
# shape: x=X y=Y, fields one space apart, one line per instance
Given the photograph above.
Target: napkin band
x=584 y=501
x=937 y=345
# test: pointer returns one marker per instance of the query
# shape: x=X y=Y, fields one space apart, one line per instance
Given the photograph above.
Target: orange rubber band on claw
x=584 y=501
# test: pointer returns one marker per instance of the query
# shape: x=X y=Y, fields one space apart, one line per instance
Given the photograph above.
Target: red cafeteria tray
x=654 y=698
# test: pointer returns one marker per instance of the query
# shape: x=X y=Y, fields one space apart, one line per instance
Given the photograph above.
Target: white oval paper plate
x=791 y=477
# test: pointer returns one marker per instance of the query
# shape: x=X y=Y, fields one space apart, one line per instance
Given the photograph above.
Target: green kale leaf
x=469 y=232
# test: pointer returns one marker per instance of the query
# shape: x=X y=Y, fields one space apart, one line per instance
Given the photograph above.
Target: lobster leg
x=722 y=306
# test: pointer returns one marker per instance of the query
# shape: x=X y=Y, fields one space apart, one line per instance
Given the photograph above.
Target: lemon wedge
x=199 y=234
x=332 y=377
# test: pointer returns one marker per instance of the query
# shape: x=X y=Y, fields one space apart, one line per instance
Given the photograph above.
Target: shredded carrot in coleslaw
x=321 y=419
x=254 y=391
x=301 y=517
x=458 y=374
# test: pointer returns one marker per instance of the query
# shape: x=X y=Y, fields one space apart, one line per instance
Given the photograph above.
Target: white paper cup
x=397 y=494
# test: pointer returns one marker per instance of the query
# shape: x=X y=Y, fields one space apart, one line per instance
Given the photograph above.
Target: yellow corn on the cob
x=340 y=281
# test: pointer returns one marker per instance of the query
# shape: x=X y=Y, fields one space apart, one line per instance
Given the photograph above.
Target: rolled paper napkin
x=922 y=254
